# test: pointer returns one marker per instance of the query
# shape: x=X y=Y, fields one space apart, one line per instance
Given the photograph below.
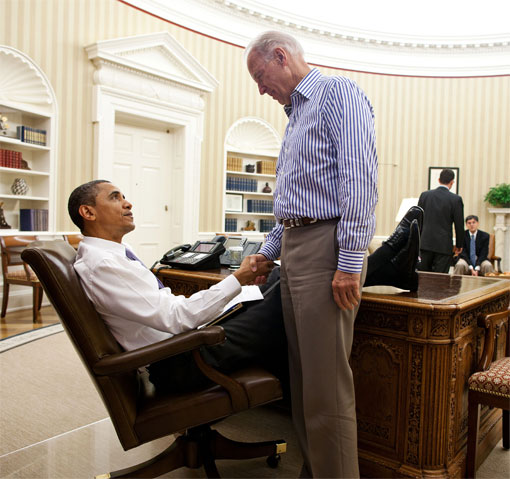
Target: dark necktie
x=132 y=256
x=472 y=251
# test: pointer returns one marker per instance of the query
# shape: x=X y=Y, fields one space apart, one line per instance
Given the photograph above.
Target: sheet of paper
x=248 y=293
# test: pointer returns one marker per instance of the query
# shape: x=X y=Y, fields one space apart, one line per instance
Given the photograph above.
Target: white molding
x=24 y=84
x=151 y=77
x=341 y=47
x=249 y=131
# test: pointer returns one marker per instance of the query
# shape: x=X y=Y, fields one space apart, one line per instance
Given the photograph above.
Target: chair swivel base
x=201 y=446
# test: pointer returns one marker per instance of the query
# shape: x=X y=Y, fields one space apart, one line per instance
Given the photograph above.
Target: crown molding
x=23 y=83
x=237 y=22
x=157 y=56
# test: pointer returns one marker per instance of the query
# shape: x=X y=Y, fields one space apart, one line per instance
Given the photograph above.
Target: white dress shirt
x=126 y=295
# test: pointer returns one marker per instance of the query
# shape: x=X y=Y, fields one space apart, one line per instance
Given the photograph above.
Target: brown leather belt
x=297 y=222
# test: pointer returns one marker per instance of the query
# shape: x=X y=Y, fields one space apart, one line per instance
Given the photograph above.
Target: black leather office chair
x=138 y=412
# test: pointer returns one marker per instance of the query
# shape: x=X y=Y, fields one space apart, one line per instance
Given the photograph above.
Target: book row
x=259 y=206
x=230 y=225
x=234 y=164
x=31 y=219
x=28 y=134
x=266 y=167
x=11 y=159
x=241 y=184
x=266 y=225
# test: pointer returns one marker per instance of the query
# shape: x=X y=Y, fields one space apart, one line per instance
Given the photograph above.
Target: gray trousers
x=319 y=337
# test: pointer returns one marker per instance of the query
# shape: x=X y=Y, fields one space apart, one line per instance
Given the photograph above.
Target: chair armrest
x=492 y=324
x=131 y=360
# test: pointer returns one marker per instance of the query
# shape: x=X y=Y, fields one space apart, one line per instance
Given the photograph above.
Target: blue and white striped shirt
x=327 y=167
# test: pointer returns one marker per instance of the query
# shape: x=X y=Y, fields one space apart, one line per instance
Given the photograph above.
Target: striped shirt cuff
x=350 y=261
x=270 y=251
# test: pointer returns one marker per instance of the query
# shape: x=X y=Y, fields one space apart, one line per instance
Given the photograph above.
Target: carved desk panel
x=411 y=357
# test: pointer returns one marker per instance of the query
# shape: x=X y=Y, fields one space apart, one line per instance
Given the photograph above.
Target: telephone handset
x=202 y=255
x=174 y=252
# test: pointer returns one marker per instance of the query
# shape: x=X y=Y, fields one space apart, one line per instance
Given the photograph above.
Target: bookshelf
x=27 y=144
x=251 y=153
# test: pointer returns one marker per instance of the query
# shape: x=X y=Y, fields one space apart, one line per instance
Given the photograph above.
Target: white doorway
x=142 y=166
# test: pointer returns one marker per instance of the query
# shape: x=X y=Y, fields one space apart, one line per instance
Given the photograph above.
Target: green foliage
x=499 y=195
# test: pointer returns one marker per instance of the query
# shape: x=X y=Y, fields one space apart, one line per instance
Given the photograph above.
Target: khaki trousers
x=462 y=267
x=319 y=338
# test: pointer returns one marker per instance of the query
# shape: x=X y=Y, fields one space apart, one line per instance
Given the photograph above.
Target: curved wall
x=420 y=122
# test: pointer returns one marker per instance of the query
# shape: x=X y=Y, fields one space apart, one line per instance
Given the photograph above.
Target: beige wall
x=421 y=122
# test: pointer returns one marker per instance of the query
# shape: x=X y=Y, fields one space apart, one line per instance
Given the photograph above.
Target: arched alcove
x=251 y=151
x=28 y=101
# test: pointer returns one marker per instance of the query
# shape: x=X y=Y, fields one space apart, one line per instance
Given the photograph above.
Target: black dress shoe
x=399 y=237
x=405 y=263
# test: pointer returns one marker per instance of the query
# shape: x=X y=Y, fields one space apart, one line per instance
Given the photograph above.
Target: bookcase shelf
x=24 y=197
x=9 y=142
x=251 y=153
x=29 y=106
x=19 y=171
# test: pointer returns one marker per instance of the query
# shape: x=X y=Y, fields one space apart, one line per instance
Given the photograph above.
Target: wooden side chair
x=495 y=260
x=490 y=385
x=12 y=246
x=73 y=239
x=139 y=412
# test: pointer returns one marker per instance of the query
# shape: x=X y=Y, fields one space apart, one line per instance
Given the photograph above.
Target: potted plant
x=499 y=195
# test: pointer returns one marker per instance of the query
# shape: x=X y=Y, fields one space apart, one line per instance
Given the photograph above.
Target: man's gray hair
x=265 y=43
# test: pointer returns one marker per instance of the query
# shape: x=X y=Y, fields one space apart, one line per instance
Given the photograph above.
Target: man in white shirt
x=138 y=312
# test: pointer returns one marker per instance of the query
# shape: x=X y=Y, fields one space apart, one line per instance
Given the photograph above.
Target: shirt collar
x=106 y=245
x=305 y=87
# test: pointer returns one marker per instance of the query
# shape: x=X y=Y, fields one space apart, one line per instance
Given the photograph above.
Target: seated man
x=473 y=258
x=140 y=311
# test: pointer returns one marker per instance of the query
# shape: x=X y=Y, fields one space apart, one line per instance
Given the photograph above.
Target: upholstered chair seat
x=496 y=380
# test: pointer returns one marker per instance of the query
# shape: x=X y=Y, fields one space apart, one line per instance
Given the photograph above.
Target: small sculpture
x=3 y=223
x=267 y=189
x=3 y=123
x=19 y=187
x=250 y=226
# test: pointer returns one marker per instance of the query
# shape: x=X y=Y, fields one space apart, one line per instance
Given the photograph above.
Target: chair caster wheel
x=273 y=461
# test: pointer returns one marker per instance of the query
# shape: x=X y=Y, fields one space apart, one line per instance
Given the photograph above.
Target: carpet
x=45 y=391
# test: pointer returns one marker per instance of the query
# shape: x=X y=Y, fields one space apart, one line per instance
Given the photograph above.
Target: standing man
x=324 y=201
x=473 y=258
x=442 y=209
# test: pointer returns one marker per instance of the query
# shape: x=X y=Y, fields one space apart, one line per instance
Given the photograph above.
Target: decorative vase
x=19 y=187
x=266 y=189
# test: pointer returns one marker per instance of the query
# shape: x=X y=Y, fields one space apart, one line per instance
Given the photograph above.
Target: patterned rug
x=28 y=336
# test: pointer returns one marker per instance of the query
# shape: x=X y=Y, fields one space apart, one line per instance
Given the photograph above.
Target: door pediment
x=157 y=55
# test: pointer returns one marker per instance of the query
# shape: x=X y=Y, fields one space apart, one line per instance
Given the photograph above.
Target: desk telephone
x=207 y=254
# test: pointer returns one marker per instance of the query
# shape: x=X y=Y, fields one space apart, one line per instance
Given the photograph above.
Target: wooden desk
x=411 y=358
x=185 y=282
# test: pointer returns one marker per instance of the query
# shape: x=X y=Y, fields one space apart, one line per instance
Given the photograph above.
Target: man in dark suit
x=473 y=258
x=442 y=208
